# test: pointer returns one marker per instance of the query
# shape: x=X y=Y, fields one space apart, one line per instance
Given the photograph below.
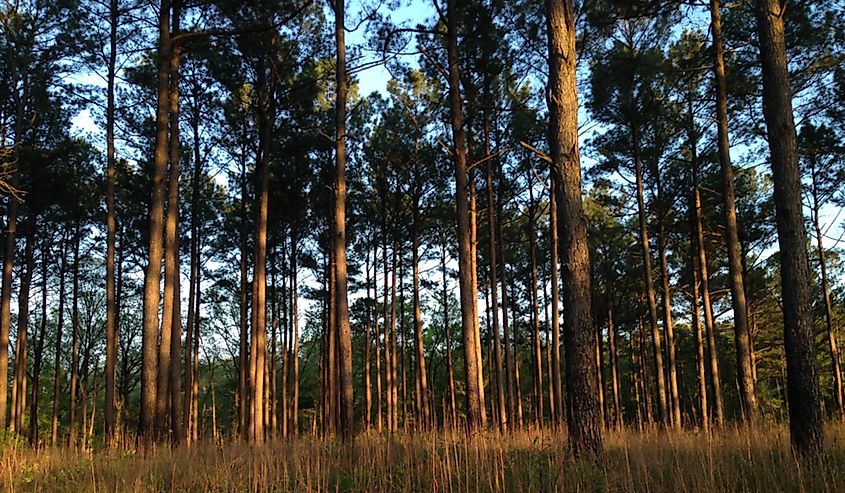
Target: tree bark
x=581 y=379
x=155 y=252
x=466 y=264
x=111 y=227
x=805 y=416
x=347 y=416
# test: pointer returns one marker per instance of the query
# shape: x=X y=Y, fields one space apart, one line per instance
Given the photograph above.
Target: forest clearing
x=422 y=245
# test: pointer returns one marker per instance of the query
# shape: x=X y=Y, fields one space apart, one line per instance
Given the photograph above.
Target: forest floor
x=731 y=460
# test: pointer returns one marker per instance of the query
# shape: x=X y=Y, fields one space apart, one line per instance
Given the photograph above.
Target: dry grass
x=732 y=460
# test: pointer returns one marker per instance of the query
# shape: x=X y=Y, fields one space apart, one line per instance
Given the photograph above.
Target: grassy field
x=530 y=461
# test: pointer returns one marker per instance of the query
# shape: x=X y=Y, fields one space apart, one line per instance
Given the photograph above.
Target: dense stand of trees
x=560 y=213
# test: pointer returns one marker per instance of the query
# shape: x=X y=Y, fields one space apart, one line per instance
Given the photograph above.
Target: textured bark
x=748 y=398
x=347 y=417
x=805 y=416
x=258 y=348
x=170 y=319
x=466 y=264
x=155 y=251
x=193 y=288
x=581 y=379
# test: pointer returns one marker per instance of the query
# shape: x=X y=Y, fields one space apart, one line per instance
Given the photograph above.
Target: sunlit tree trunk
x=466 y=264
x=155 y=251
x=748 y=398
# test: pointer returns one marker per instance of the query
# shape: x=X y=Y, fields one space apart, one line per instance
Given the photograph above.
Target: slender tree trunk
x=709 y=322
x=54 y=437
x=377 y=337
x=155 y=251
x=557 y=385
x=423 y=411
x=111 y=226
x=368 y=384
x=294 y=421
x=701 y=375
x=19 y=389
x=466 y=263
x=805 y=416
x=403 y=343
x=347 y=416
x=659 y=371
x=243 y=343
x=618 y=422
x=748 y=398
x=668 y=323
x=453 y=412
x=504 y=415
x=74 y=355
x=535 y=309
x=38 y=354
x=193 y=306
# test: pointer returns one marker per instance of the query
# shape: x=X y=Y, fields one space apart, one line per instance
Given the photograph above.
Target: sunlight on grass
x=531 y=460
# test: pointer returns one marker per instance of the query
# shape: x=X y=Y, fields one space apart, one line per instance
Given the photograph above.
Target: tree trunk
x=19 y=389
x=581 y=379
x=155 y=252
x=258 y=348
x=503 y=410
x=453 y=412
x=709 y=322
x=828 y=306
x=557 y=386
x=170 y=313
x=668 y=324
x=38 y=354
x=74 y=355
x=423 y=411
x=699 y=342
x=748 y=398
x=54 y=437
x=805 y=416
x=662 y=403
x=535 y=310
x=466 y=263
x=111 y=227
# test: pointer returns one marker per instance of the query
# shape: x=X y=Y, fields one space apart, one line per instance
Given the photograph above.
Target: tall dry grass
x=733 y=460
